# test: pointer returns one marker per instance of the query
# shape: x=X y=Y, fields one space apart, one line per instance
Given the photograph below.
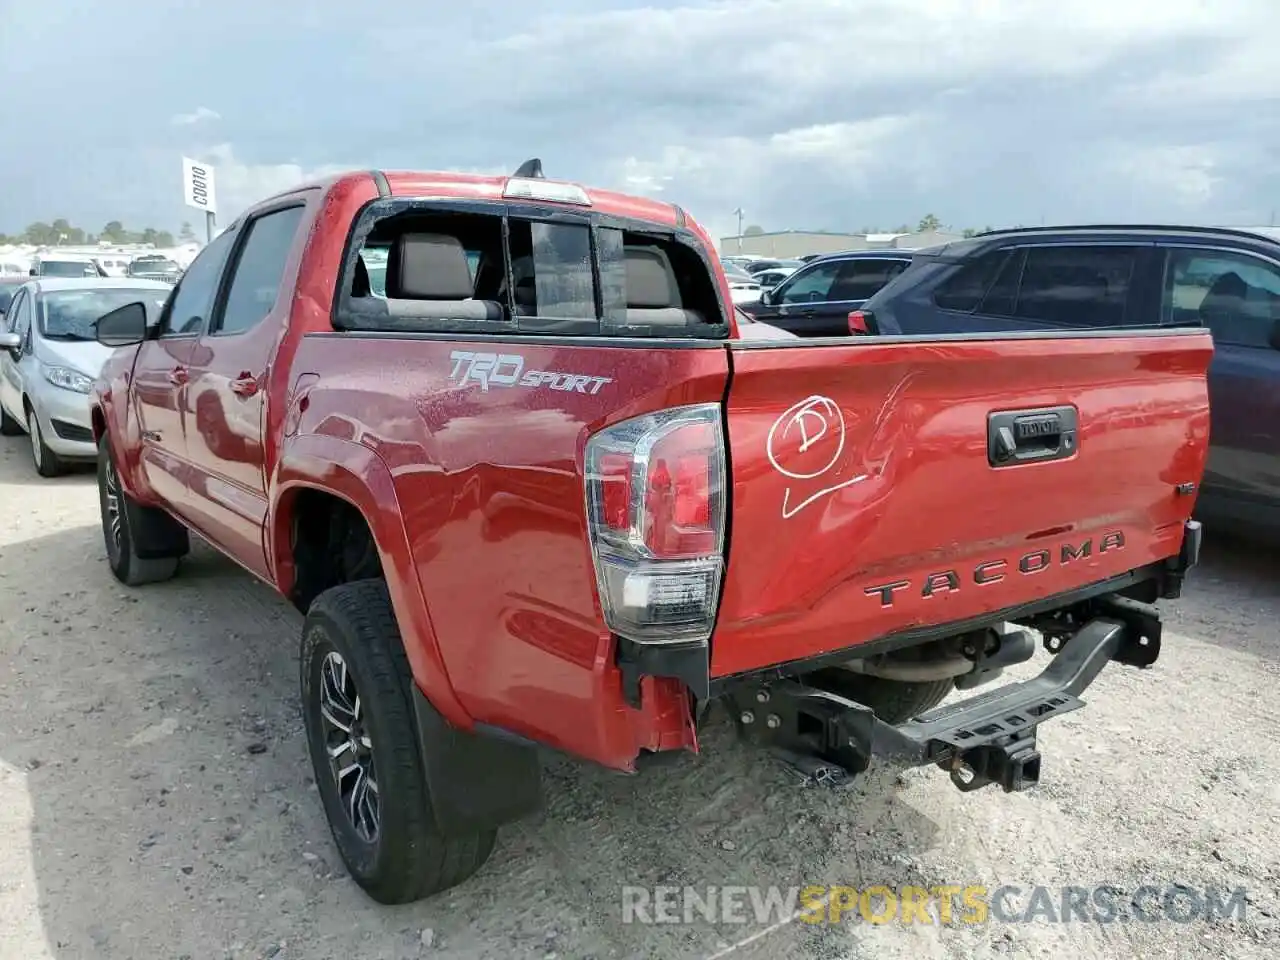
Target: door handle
x=179 y=376
x=244 y=385
x=1022 y=436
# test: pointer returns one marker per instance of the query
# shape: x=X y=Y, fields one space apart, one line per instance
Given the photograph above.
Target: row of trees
x=62 y=232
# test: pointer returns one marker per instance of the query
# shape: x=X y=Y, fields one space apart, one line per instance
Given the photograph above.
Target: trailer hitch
x=986 y=739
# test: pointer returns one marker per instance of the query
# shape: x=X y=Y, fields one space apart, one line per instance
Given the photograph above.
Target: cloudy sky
x=809 y=114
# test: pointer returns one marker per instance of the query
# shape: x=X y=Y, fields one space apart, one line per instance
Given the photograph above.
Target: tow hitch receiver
x=989 y=738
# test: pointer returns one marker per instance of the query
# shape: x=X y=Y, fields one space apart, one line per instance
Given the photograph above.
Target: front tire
x=362 y=736
x=47 y=463
x=118 y=531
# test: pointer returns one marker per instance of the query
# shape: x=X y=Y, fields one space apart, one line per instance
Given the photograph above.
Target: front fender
x=356 y=474
x=110 y=415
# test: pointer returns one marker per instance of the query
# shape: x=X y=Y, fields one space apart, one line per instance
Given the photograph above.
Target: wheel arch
x=351 y=474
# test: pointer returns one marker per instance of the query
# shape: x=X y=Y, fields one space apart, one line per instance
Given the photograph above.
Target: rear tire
x=9 y=427
x=893 y=701
x=357 y=700
x=47 y=463
x=118 y=515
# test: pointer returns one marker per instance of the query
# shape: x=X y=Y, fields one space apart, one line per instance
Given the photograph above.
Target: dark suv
x=817 y=299
x=1119 y=276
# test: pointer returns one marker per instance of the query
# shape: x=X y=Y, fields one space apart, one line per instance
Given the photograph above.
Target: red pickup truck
x=502 y=442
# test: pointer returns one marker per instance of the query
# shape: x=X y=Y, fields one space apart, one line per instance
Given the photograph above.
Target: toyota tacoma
x=533 y=487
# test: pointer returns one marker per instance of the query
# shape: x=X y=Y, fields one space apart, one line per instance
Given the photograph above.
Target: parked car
x=501 y=498
x=768 y=279
x=155 y=268
x=1099 y=278
x=816 y=300
x=8 y=287
x=49 y=358
x=64 y=265
x=742 y=286
x=749 y=328
x=757 y=265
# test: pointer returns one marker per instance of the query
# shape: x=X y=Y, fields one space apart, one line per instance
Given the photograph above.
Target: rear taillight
x=858 y=325
x=656 y=514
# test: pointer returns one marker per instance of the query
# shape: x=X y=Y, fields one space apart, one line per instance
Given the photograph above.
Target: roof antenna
x=530 y=170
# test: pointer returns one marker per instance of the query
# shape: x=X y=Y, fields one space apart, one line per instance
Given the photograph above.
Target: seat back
x=431 y=270
x=653 y=293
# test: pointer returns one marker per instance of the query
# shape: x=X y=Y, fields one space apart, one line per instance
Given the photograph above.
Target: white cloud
x=197 y=116
x=241 y=184
x=1184 y=176
x=809 y=114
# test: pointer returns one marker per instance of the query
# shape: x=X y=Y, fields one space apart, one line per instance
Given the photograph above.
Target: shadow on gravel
x=1233 y=597
x=173 y=814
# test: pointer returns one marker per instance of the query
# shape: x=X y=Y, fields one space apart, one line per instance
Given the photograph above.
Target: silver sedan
x=49 y=359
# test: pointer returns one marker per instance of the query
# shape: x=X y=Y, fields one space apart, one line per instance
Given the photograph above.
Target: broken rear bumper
x=989 y=738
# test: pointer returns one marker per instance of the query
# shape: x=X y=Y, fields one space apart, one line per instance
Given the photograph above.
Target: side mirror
x=123 y=326
x=766 y=296
x=32 y=272
x=10 y=341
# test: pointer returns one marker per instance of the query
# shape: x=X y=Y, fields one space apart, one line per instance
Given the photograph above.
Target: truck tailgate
x=873 y=490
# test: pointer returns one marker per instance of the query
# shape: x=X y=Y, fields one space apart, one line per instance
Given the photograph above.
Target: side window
x=255 y=282
x=191 y=303
x=809 y=286
x=1235 y=295
x=22 y=325
x=1001 y=297
x=13 y=318
x=965 y=288
x=1076 y=286
x=863 y=279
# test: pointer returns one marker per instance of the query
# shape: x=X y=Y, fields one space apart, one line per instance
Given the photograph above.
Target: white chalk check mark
x=809 y=423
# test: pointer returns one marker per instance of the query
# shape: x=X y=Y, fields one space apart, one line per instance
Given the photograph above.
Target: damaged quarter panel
x=484 y=440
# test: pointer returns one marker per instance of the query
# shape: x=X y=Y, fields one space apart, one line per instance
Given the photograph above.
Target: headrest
x=428 y=266
x=1229 y=284
x=651 y=283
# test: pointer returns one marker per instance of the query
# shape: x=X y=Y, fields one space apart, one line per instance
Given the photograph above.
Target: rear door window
x=260 y=266
x=862 y=279
x=964 y=290
x=1237 y=296
x=1076 y=286
x=809 y=286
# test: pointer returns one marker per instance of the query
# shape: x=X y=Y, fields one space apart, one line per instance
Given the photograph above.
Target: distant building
x=788 y=244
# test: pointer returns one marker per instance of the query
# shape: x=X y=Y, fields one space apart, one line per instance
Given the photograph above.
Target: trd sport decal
x=507 y=370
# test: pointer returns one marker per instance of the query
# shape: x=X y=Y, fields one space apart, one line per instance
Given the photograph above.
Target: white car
x=743 y=287
x=49 y=359
x=64 y=265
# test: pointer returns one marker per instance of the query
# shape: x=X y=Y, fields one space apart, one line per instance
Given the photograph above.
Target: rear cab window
x=464 y=267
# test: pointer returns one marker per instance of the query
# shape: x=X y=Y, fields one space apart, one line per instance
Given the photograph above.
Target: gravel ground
x=156 y=801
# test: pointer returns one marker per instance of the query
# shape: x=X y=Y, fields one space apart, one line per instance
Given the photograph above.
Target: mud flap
x=476 y=781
